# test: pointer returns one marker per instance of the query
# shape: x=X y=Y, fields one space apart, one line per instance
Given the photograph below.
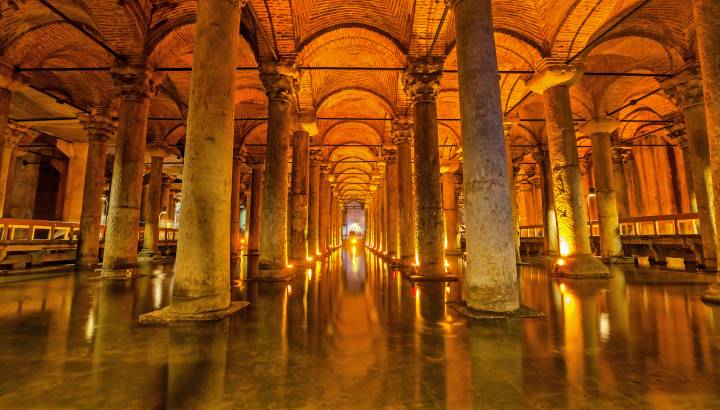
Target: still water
x=350 y=333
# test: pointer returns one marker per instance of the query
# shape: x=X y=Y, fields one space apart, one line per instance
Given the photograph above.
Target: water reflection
x=350 y=332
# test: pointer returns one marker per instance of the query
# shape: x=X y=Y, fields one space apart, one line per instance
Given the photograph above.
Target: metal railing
x=28 y=230
x=659 y=225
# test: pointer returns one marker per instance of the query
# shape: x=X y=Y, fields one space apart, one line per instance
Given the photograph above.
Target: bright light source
x=447 y=289
x=561 y=262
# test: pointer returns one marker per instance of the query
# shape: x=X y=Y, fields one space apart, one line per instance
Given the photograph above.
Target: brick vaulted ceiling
x=610 y=36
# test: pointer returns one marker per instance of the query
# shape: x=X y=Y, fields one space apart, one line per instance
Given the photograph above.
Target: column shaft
x=405 y=201
x=235 y=202
x=255 y=218
x=620 y=181
x=314 y=207
x=610 y=244
x=392 y=198
x=5 y=98
x=450 y=211
x=151 y=232
x=552 y=246
x=324 y=225
x=298 y=246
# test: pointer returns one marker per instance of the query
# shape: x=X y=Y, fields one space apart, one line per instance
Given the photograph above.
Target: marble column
x=619 y=158
x=298 y=244
x=550 y=229
x=314 y=202
x=255 y=218
x=450 y=211
x=402 y=138
x=600 y=131
x=280 y=82
x=100 y=129
x=553 y=80
x=324 y=224
x=422 y=82
x=151 y=234
x=512 y=173
x=706 y=17
x=686 y=91
x=135 y=88
x=201 y=287
x=77 y=153
x=392 y=200
x=491 y=272
x=235 y=202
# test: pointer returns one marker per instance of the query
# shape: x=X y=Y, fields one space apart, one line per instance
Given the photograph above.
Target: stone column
x=491 y=272
x=553 y=80
x=280 y=83
x=314 y=202
x=22 y=175
x=679 y=136
x=100 y=129
x=421 y=84
x=450 y=211
x=706 y=17
x=686 y=90
x=74 y=181
x=402 y=138
x=600 y=131
x=512 y=172
x=325 y=198
x=393 y=200
x=552 y=247
x=8 y=83
x=235 y=202
x=298 y=246
x=201 y=287
x=121 y=236
x=255 y=218
x=165 y=201
x=151 y=234
x=619 y=158
x=11 y=137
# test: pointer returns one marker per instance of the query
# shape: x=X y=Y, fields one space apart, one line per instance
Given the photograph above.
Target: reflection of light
x=564 y=247
x=604 y=327
x=309 y=259
x=561 y=262
x=446 y=243
x=447 y=264
x=416 y=292
x=562 y=288
x=568 y=299
x=417 y=260
x=447 y=289
x=289 y=289
x=309 y=274
x=354 y=241
x=90 y=326
x=289 y=266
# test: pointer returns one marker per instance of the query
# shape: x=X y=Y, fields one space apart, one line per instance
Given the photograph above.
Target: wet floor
x=352 y=334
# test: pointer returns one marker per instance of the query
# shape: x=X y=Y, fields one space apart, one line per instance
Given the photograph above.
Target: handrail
x=12 y=229
x=655 y=225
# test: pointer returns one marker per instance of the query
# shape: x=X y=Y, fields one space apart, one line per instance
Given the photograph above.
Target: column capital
x=422 y=79
x=449 y=167
x=685 y=89
x=551 y=72
x=621 y=155
x=316 y=154
x=8 y=6
x=161 y=149
x=605 y=126
x=98 y=127
x=256 y=162
x=402 y=130
x=280 y=79
x=389 y=153
x=134 y=82
x=15 y=134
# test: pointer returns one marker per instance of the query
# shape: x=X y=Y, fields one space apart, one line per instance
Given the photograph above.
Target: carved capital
x=17 y=134
x=280 y=79
x=316 y=154
x=402 y=130
x=551 y=73
x=161 y=149
x=685 y=89
x=620 y=155
x=133 y=82
x=98 y=127
x=422 y=79
x=9 y=6
x=389 y=153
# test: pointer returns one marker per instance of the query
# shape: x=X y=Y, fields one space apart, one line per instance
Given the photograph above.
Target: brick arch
x=349 y=132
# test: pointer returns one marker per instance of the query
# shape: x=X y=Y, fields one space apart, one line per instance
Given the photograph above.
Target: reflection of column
x=121 y=236
x=255 y=218
x=552 y=247
x=402 y=133
x=600 y=134
x=280 y=82
x=99 y=129
x=686 y=90
x=706 y=16
x=619 y=158
x=314 y=202
x=421 y=84
x=151 y=234
x=491 y=272
x=297 y=246
x=553 y=81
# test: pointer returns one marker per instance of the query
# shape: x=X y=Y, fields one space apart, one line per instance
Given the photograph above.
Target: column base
x=271 y=273
x=581 y=267
x=523 y=312
x=167 y=315
x=712 y=294
x=414 y=277
x=147 y=255
x=119 y=273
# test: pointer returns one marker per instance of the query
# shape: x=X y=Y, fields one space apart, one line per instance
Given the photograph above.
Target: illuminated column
x=619 y=158
x=201 y=287
x=77 y=153
x=422 y=82
x=314 y=201
x=20 y=182
x=165 y=199
x=491 y=272
x=552 y=247
x=706 y=17
x=450 y=211
x=679 y=136
x=121 y=236
x=151 y=235
x=324 y=224
x=255 y=217
x=298 y=245
x=513 y=191
x=280 y=83
x=402 y=138
x=392 y=198
x=553 y=81
x=686 y=91
x=332 y=216
x=235 y=203
x=8 y=83
x=600 y=131
x=100 y=130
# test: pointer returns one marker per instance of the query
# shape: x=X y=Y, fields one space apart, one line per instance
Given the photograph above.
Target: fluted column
x=298 y=245
x=686 y=90
x=393 y=200
x=121 y=237
x=235 y=202
x=600 y=131
x=280 y=83
x=314 y=202
x=100 y=129
x=402 y=138
x=553 y=80
x=201 y=287
x=255 y=217
x=151 y=234
x=422 y=82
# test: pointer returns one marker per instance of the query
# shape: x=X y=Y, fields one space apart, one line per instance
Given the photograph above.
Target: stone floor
x=352 y=334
